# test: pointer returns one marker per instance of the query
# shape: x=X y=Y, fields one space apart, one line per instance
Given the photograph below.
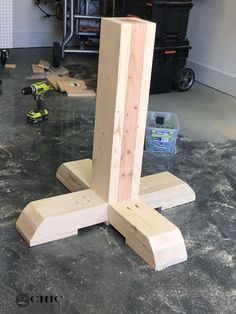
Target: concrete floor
x=96 y=272
x=204 y=113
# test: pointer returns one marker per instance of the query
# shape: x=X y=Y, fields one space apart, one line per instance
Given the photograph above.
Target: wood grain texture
x=165 y=190
x=81 y=93
x=53 y=80
x=76 y=175
x=131 y=109
x=153 y=237
x=111 y=90
x=60 y=216
x=122 y=96
x=70 y=85
x=121 y=65
x=158 y=190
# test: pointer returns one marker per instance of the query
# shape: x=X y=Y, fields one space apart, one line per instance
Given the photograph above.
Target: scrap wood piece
x=37 y=69
x=62 y=70
x=10 y=66
x=81 y=93
x=55 y=79
x=44 y=64
x=52 y=71
x=152 y=236
x=71 y=86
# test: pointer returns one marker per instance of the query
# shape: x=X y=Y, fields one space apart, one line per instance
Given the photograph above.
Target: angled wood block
x=165 y=190
x=76 y=175
x=61 y=216
x=158 y=190
x=153 y=237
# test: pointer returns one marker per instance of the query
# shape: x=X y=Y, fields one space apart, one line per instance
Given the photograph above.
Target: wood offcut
x=10 y=66
x=37 y=69
x=44 y=64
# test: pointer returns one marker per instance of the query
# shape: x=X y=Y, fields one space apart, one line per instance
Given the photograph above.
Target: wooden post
x=112 y=189
x=126 y=52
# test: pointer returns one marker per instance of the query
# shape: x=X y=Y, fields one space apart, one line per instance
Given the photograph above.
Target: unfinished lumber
x=53 y=80
x=71 y=86
x=160 y=190
x=164 y=190
x=61 y=71
x=76 y=175
x=81 y=93
x=114 y=176
x=153 y=237
x=37 y=69
x=122 y=97
x=44 y=64
x=60 y=216
x=10 y=66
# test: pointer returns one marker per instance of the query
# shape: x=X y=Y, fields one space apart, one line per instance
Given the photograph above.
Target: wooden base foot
x=61 y=216
x=75 y=175
x=158 y=190
x=148 y=233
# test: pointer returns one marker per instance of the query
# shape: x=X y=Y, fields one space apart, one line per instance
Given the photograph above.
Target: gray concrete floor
x=95 y=272
x=204 y=113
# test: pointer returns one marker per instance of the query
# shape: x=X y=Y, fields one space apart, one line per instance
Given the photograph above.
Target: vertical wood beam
x=126 y=51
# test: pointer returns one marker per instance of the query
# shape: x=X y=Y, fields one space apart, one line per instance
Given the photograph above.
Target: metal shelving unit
x=76 y=14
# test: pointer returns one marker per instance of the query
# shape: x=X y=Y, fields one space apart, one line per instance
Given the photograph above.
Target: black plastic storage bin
x=171 y=45
x=171 y=18
x=168 y=70
x=134 y=8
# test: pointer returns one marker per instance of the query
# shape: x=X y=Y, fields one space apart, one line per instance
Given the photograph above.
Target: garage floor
x=95 y=272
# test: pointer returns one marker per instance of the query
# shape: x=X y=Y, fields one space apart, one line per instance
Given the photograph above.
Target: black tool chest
x=171 y=45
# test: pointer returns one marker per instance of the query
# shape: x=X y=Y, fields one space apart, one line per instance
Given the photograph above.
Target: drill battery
x=37 y=116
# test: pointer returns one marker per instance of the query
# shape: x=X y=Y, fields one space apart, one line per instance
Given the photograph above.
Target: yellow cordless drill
x=38 y=90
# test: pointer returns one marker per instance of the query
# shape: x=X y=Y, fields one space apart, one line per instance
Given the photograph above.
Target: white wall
x=212 y=33
x=31 y=29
